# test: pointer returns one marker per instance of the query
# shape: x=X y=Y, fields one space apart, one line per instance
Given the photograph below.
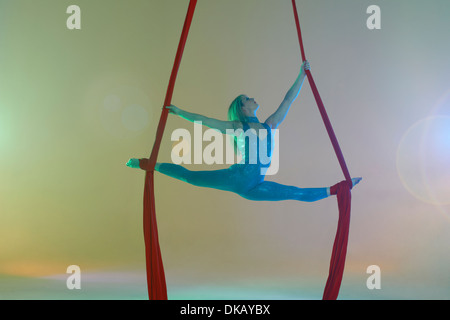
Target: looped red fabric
x=144 y=164
x=337 y=261
x=343 y=184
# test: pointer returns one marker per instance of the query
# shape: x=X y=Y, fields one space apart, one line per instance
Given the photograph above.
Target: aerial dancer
x=245 y=178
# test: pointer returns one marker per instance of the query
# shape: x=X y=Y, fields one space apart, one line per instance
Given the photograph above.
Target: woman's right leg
x=272 y=191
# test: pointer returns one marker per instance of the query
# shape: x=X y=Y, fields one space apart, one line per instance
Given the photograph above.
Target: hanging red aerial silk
x=155 y=271
x=342 y=191
x=156 y=281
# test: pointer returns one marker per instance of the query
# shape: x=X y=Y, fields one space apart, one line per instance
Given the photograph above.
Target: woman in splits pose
x=245 y=178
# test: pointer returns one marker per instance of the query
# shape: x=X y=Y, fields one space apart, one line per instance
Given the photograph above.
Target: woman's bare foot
x=141 y=164
x=133 y=163
x=355 y=181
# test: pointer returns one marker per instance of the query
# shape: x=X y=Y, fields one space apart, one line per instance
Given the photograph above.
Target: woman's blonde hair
x=235 y=114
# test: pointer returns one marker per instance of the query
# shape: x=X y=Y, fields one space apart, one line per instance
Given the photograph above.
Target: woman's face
x=249 y=104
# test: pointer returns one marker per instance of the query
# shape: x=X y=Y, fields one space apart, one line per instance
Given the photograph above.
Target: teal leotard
x=246 y=178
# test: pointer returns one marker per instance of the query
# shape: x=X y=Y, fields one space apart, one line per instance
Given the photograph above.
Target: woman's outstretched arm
x=219 y=125
x=278 y=116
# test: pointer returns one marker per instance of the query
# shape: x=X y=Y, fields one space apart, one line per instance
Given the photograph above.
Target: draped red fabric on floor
x=342 y=191
x=156 y=282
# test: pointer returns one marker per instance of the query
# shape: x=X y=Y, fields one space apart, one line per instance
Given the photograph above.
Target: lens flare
x=135 y=118
x=423 y=160
x=123 y=112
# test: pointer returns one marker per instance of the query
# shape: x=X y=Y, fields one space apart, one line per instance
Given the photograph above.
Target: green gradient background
x=66 y=196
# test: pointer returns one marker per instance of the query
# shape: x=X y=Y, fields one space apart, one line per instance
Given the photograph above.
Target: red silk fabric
x=337 y=261
x=342 y=191
x=156 y=282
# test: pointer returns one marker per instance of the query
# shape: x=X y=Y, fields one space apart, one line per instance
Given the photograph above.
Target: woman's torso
x=255 y=144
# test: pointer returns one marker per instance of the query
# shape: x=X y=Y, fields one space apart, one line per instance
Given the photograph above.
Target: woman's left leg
x=272 y=191
x=235 y=179
x=223 y=179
